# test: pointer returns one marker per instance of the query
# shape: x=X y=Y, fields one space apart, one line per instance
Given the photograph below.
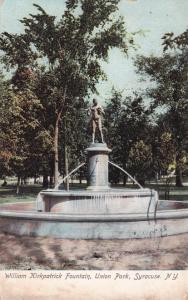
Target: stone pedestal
x=97 y=164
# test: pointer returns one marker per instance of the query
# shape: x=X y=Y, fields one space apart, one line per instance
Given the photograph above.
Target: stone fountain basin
x=31 y=206
x=98 y=202
x=21 y=218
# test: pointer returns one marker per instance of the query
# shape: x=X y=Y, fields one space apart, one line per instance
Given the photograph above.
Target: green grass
x=175 y=193
x=27 y=193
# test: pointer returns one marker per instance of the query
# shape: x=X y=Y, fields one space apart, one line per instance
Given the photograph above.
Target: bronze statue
x=96 y=111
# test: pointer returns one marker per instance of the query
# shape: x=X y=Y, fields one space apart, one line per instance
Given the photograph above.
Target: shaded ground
x=30 y=253
x=27 y=193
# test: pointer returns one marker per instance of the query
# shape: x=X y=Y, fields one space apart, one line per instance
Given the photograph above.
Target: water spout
x=135 y=181
x=68 y=175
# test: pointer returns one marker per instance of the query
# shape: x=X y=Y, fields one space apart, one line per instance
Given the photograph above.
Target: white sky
x=156 y=17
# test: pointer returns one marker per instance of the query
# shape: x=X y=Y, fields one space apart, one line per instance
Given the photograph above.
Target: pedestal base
x=97 y=177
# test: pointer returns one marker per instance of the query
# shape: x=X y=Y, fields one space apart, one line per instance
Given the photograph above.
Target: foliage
x=56 y=65
x=140 y=159
x=163 y=149
x=127 y=123
x=169 y=73
x=180 y=41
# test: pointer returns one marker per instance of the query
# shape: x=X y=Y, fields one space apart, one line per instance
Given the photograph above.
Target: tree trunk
x=45 y=181
x=80 y=177
x=4 y=182
x=56 y=141
x=141 y=181
x=56 y=154
x=66 y=168
x=179 y=179
x=51 y=181
x=18 y=185
x=125 y=177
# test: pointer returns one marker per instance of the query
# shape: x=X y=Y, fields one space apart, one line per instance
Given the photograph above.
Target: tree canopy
x=169 y=73
x=59 y=61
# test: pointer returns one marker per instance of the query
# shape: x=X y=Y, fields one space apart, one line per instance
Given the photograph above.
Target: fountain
x=98 y=211
x=98 y=198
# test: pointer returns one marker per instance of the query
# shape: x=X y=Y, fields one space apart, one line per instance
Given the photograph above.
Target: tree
x=128 y=125
x=140 y=161
x=180 y=43
x=24 y=130
x=163 y=148
x=74 y=134
x=20 y=131
x=71 y=50
x=6 y=143
x=169 y=73
x=113 y=114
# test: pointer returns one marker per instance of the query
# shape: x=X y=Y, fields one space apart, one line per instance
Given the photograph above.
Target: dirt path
x=48 y=253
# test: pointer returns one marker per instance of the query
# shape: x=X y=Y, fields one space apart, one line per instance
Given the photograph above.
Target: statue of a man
x=96 y=111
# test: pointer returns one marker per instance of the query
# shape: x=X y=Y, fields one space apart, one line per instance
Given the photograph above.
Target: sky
x=154 y=17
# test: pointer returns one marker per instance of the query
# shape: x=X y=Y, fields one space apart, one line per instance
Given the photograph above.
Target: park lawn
x=27 y=193
x=30 y=192
x=175 y=193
